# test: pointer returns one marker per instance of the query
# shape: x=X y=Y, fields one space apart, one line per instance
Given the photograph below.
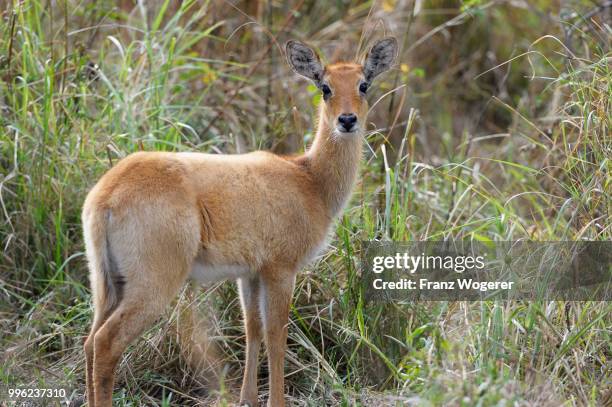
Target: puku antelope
x=156 y=219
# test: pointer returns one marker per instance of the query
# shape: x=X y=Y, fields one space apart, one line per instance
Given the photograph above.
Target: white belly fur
x=206 y=273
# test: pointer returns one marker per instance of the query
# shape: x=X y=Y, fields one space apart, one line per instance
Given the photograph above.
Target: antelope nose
x=347 y=120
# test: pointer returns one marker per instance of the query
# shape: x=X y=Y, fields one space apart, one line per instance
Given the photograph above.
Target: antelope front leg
x=249 y=299
x=277 y=292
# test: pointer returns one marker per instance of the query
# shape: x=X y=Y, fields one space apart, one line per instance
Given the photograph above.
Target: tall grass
x=501 y=132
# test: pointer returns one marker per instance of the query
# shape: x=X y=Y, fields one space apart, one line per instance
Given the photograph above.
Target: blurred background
x=493 y=125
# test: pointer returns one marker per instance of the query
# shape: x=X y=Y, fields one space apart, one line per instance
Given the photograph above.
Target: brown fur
x=158 y=218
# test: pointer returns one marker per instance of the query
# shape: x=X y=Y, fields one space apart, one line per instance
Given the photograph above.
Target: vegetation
x=494 y=126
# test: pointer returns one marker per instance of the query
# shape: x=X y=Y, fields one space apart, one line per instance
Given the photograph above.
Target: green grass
x=518 y=152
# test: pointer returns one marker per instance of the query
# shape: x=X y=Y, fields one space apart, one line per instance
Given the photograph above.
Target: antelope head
x=343 y=85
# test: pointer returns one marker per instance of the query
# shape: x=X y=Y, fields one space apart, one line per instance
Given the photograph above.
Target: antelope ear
x=380 y=58
x=304 y=61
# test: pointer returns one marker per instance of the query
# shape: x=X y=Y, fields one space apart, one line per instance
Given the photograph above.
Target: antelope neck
x=333 y=160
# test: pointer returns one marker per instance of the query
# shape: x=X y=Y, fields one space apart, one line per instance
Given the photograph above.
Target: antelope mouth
x=343 y=131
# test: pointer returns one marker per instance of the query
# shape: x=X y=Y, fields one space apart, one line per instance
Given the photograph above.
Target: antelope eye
x=363 y=87
x=326 y=91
